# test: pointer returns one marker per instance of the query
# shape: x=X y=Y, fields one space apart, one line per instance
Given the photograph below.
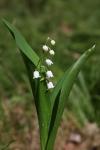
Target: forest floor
x=19 y=129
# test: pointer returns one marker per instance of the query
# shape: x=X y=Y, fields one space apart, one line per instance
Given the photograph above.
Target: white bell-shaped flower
x=36 y=74
x=53 y=42
x=52 y=52
x=45 y=48
x=50 y=85
x=49 y=74
x=48 y=62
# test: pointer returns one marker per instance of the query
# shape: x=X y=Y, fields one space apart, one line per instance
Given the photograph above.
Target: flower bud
x=49 y=62
x=36 y=74
x=45 y=48
x=50 y=85
x=53 y=42
x=52 y=52
x=49 y=74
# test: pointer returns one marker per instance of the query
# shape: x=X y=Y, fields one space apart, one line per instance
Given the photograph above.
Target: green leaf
x=54 y=97
x=43 y=110
x=42 y=102
x=39 y=88
x=62 y=96
x=57 y=89
x=22 y=44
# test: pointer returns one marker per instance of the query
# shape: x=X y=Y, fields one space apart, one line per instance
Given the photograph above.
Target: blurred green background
x=75 y=26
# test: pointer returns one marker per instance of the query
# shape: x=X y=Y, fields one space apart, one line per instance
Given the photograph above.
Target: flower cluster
x=48 y=74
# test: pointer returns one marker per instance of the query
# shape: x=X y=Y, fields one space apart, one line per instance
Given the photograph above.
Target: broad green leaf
x=39 y=89
x=42 y=102
x=57 y=89
x=43 y=110
x=22 y=44
x=53 y=98
x=60 y=102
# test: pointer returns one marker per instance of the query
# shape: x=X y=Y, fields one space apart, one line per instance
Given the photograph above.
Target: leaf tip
x=92 y=48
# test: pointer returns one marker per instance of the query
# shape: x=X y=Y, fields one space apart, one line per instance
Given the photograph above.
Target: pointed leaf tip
x=92 y=49
x=22 y=43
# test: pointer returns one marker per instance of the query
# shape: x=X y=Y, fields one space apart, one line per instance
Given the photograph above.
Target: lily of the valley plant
x=50 y=98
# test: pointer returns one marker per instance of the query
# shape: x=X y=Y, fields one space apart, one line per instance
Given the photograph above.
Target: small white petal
x=52 y=52
x=50 y=85
x=53 y=42
x=36 y=74
x=49 y=62
x=45 y=48
x=49 y=74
